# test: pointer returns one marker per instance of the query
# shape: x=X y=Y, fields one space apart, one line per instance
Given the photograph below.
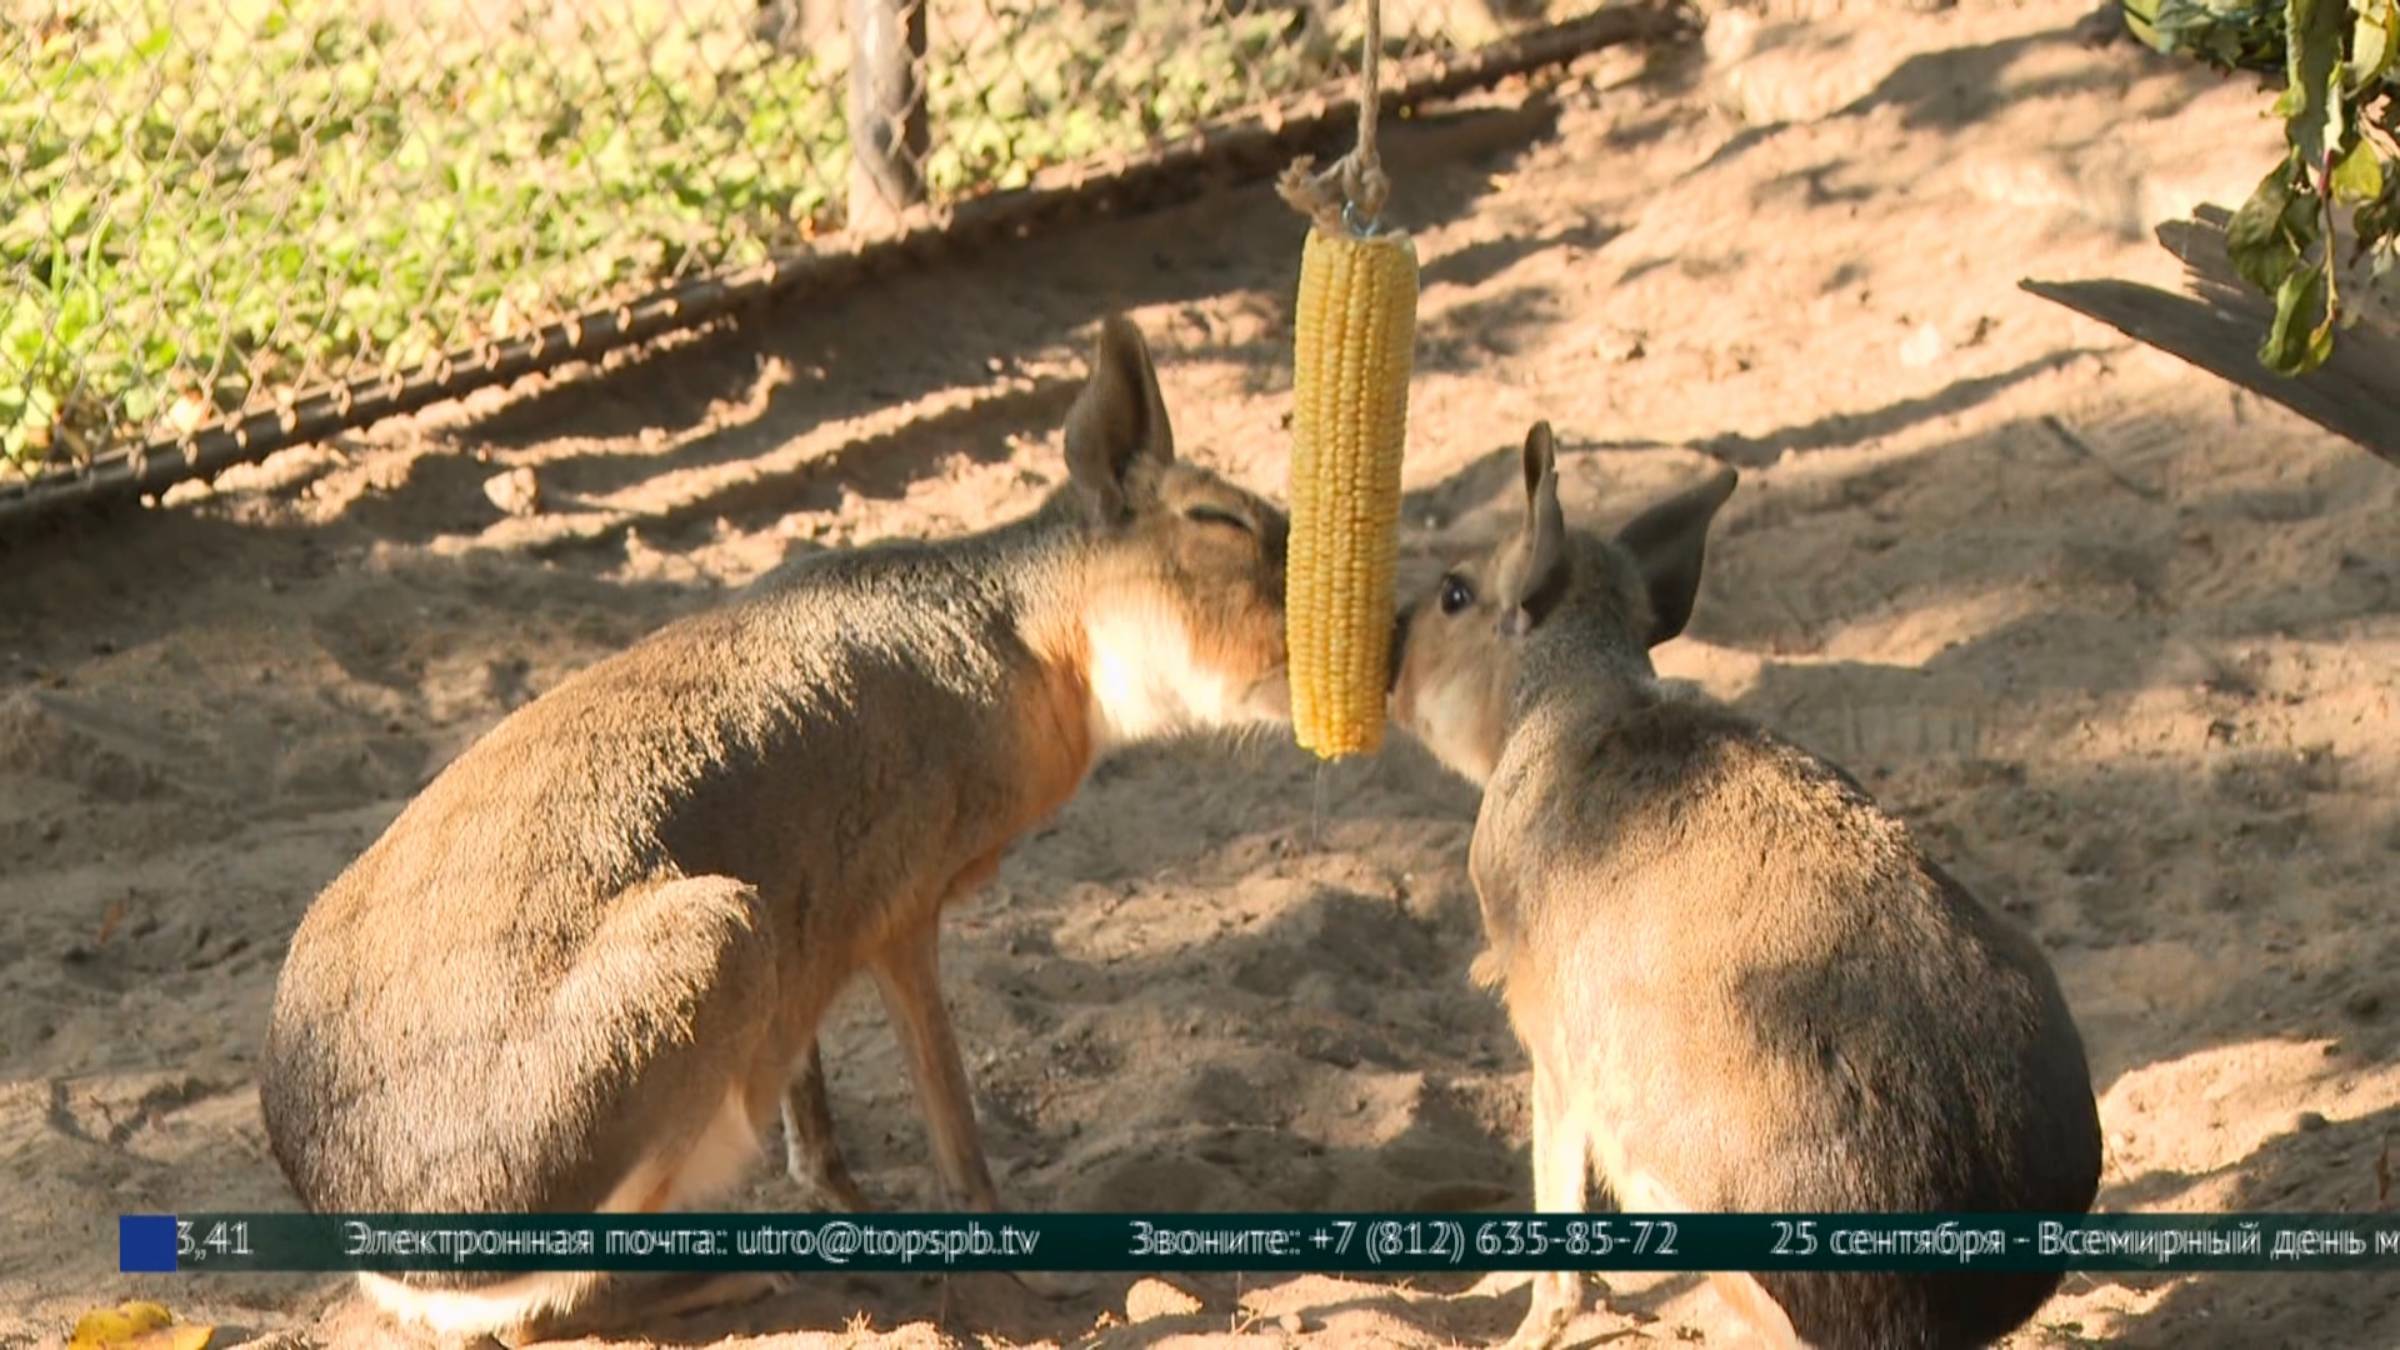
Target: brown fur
x=1742 y=985
x=585 y=967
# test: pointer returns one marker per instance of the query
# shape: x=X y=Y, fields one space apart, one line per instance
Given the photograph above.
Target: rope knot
x=1354 y=188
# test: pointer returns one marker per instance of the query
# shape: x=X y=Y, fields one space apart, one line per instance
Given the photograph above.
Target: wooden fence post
x=888 y=132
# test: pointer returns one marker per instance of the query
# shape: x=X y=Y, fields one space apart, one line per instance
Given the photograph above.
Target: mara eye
x=1457 y=594
x=1210 y=515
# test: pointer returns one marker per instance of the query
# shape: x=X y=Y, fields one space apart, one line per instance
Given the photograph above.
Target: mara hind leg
x=621 y=1300
x=644 y=1068
x=615 y=1300
x=1757 y=1309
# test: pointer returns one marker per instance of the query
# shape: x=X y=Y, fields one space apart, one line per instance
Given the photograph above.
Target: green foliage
x=203 y=207
x=2238 y=35
x=2341 y=112
x=1054 y=83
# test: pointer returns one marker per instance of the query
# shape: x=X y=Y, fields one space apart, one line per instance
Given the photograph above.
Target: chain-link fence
x=216 y=212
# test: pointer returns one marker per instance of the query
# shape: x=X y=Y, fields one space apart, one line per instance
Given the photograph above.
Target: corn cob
x=1352 y=360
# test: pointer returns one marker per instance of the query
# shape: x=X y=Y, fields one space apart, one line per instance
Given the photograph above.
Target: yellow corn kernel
x=1352 y=358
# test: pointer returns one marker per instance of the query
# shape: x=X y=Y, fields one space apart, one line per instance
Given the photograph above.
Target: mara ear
x=1668 y=542
x=1534 y=575
x=1118 y=421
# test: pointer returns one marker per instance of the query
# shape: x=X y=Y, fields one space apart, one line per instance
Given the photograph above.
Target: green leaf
x=2377 y=223
x=2262 y=247
x=76 y=315
x=2359 y=176
x=2141 y=19
x=2373 y=40
x=2302 y=335
x=2226 y=34
x=2314 y=33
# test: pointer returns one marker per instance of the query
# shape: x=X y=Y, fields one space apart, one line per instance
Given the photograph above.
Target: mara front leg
x=1562 y=1155
x=909 y=979
x=810 y=1151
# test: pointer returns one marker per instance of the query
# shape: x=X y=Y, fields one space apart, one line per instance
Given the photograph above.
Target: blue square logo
x=146 y=1243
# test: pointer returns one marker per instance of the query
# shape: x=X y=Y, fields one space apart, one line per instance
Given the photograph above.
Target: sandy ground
x=2120 y=640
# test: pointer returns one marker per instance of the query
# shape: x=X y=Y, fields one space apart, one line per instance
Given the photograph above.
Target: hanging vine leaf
x=2273 y=230
x=2302 y=335
x=2341 y=112
x=2373 y=38
x=2312 y=104
x=2227 y=34
x=2378 y=226
x=2358 y=179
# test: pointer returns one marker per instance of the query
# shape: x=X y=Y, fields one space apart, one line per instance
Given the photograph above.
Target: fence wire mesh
x=211 y=208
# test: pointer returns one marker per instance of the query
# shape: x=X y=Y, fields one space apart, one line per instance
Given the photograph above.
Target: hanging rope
x=1350 y=194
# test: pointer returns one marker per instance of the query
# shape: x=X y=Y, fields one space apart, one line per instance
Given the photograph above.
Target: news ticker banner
x=1397 y=1242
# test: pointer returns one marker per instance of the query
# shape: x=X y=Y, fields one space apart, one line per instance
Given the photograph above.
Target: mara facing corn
x=1353 y=357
